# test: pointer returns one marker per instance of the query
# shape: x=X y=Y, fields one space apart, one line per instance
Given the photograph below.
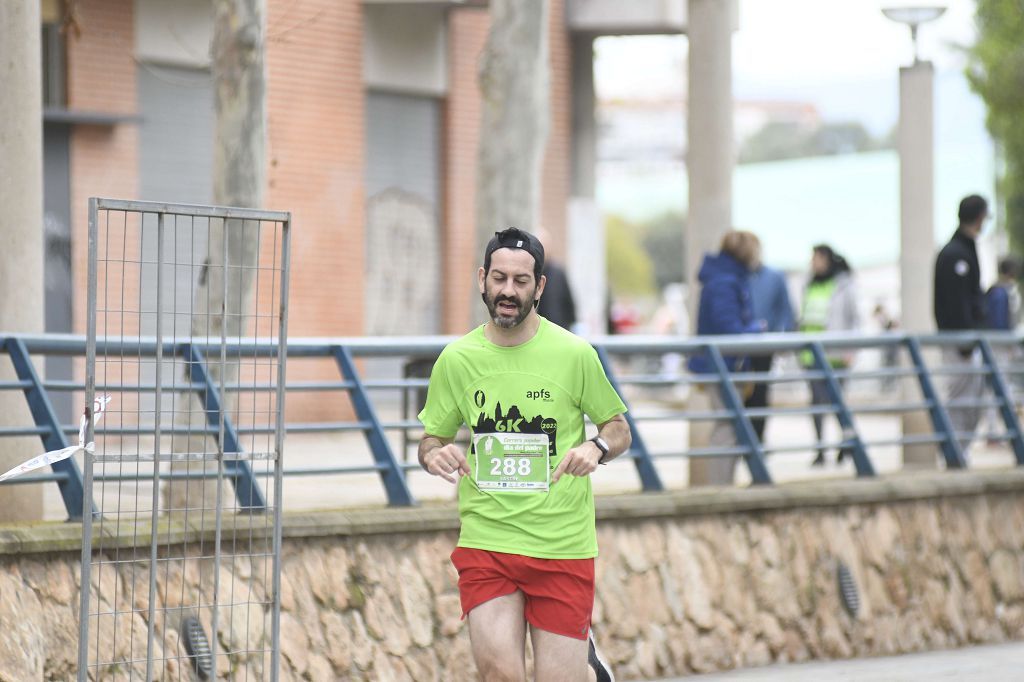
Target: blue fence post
x=745 y=434
x=71 y=488
x=649 y=478
x=936 y=410
x=1005 y=396
x=247 y=491
x=391 y=472
x=843 y=414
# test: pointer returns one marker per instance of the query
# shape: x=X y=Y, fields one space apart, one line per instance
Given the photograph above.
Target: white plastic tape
x=99 y=405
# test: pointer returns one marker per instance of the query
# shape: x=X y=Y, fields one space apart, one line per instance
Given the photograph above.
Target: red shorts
x=559 y=592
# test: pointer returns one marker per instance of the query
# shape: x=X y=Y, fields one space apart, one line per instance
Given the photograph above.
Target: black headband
x=514 y=238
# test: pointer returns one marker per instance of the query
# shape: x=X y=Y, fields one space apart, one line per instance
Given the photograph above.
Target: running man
x=527 y=546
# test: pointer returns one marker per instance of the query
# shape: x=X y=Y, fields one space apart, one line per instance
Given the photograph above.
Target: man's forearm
x=616 y=434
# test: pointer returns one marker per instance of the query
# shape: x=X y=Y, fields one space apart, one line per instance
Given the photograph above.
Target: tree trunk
x=239 y=176
x=514 y=127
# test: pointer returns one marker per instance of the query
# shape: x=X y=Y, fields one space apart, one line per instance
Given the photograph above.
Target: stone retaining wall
x=692 y=581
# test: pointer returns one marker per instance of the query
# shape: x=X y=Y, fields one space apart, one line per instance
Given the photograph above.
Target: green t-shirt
x=540 y=389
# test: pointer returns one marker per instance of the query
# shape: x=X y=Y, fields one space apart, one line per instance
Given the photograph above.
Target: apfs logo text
x=542 y=394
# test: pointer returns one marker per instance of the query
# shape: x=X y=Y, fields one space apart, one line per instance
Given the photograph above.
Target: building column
x=917 y=232
x=585 y=252
x=21 y=224
x=709 y=132
x=584 y=118
x=709 y=160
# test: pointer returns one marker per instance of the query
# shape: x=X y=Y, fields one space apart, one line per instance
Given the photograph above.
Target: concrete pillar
x=709 y=132
x=710 y=157
x=585 y=252
x=917 y=193
x=21 y=224
x=917 y=231
x=584 y=119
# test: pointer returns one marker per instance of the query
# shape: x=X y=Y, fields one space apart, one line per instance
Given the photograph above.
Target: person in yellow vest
x=829 y=305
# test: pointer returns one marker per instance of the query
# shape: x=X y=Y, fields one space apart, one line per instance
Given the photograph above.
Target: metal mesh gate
x=186 y=335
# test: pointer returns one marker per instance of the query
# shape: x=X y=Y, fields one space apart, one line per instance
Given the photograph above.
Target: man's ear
x=540 y=287
x=480 y=276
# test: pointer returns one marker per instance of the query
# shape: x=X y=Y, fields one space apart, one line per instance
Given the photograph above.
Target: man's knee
x=559 y=658
x=498 y=666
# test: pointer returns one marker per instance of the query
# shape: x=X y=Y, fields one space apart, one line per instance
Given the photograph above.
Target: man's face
x=509 y=288
x=978 y=226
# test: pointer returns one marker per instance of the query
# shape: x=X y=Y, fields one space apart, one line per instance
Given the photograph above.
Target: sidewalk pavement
x=1003 y=662
x=305 y=451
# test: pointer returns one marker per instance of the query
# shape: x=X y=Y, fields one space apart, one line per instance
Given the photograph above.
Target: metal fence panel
x=181 y=555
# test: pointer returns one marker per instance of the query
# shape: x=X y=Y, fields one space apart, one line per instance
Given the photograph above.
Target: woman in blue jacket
x=725 y=308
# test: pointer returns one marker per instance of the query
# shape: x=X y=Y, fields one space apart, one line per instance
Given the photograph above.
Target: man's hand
x=446 y=461
x=580 y=461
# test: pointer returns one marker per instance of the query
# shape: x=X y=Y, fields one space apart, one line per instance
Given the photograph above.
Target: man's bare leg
x=497 y=634
x=558 y=658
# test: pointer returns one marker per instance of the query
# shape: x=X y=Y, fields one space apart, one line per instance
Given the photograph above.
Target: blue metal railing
x=393 y=471
x=247 y=490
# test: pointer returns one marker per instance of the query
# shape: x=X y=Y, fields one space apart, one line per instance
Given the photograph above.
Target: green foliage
x=663 y=240
x=630 y=270
x=996 y=72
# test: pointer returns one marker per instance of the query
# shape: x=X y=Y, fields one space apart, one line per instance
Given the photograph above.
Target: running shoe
x=597 y=662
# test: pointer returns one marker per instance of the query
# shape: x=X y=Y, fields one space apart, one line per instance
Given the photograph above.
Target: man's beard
x=502 y=320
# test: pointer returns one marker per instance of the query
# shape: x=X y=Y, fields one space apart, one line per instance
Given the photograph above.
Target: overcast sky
x=841 y=55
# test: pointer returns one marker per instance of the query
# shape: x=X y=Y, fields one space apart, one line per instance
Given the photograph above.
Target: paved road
x=999 y=662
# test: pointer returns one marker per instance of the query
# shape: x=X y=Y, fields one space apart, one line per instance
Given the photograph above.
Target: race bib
x=512 y=462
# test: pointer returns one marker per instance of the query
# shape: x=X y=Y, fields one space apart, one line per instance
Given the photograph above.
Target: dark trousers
x=759 y=396
x=821 y=396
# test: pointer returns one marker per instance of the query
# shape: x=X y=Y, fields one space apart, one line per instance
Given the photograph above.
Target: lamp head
x=913 y=17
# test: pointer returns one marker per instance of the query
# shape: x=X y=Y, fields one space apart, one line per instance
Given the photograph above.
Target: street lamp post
x=916 y=145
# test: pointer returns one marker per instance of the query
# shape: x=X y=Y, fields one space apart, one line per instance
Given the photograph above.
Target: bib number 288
x=511 y=462
x=509 y=466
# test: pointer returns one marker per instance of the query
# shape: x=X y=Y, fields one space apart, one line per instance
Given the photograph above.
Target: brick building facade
x=118 y=51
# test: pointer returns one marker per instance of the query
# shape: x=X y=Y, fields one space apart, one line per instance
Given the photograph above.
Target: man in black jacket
x=557 y=304
x=960 y=306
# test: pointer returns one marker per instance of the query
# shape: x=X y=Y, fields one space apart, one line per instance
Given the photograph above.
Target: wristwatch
x=602 y=446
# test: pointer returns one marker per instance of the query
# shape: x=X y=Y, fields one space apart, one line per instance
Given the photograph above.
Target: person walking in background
x=1002 y=313
x=725 y=308
x=960 y=306
x=1002 y=300
x=770 y=302
x=829 y=305
x=557 y=304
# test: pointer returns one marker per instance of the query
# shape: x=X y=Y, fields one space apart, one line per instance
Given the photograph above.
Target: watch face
x=599 y=442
